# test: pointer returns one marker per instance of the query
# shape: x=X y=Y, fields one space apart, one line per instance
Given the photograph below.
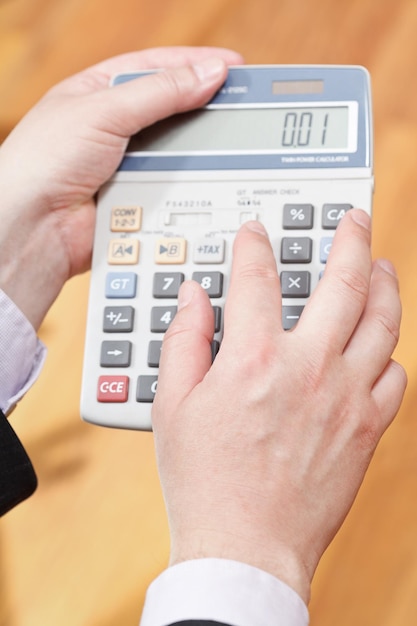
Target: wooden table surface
x=82 y=551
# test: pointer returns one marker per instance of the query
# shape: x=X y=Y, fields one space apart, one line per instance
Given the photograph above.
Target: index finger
x=253 y=305
x=339 y=300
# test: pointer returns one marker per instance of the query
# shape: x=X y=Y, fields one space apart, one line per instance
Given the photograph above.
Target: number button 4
x=161 y=317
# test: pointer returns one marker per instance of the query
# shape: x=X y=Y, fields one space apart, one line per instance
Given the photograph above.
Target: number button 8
x=212 y=282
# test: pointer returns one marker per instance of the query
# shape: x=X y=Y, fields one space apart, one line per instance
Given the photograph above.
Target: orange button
x=113 y=388
x=123 y=252
x=170 y=251
x=126 y=218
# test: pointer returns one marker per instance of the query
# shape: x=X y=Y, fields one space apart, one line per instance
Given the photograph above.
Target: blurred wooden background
x=82 y=551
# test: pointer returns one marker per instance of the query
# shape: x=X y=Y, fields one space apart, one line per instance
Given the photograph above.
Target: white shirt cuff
x=223 y=591
x=22 y=354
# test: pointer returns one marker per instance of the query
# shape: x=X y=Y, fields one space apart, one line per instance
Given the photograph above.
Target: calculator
x=290 y=146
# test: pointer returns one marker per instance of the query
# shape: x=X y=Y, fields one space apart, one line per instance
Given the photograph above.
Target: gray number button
x=146 y=388
x=161 y=317
x=166 y=285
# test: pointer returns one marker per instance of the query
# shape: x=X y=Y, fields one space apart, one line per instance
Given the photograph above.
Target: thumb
x=186 y=353
x=136 y=104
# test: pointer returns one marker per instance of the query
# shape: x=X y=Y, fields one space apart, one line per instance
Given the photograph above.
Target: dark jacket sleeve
x=17 y=477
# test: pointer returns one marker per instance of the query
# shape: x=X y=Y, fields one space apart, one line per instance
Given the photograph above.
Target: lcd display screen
x=283 y=129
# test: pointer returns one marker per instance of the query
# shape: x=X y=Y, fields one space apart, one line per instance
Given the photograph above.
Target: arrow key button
x=116 y=353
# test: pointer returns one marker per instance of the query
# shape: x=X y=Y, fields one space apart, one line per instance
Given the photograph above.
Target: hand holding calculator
x=288 y=146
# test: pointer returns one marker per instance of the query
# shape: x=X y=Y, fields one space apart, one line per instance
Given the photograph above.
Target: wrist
x=32 y=265
x=280 y=562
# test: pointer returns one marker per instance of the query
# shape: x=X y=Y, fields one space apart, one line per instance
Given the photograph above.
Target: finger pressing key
x=339 y=300
x=377 y=332
x=254 y=299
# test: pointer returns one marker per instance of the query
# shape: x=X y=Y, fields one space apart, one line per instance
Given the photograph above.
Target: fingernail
x=360 y=217
x=209 y=69
x=185 y=294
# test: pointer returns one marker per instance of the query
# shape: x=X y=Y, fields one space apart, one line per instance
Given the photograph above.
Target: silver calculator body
x=290 y=146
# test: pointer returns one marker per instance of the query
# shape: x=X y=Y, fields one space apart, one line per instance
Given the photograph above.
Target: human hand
x=68 y=145
x=262 y=453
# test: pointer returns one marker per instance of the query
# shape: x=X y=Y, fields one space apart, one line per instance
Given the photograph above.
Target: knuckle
x=169 y=84
x=354 y=281
x=253 y=270
x=388 y=323
x=176 y=83
x=369 y=432
x=251 y=366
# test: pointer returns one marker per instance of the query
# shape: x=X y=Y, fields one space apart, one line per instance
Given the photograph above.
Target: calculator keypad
x=143 y=263
x=295 y=283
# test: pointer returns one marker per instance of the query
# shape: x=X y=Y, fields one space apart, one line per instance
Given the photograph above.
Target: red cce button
x=113 y=388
